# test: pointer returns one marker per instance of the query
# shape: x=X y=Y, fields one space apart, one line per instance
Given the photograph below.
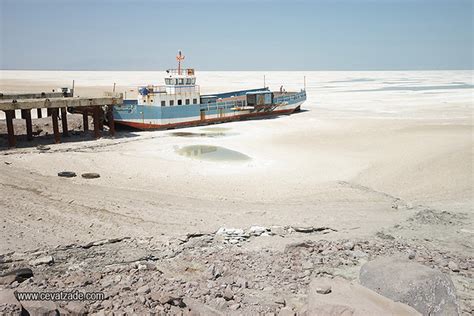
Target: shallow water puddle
x=215 y=129
x=211 y=153
x=191 y=134
x=204 y=132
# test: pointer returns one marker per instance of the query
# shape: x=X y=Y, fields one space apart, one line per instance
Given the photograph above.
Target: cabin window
x=187 y=101
x=163 y=103
x=195 y=101
x=171 y=102
x=181 y=81
x=188 y=81
x=180 y=102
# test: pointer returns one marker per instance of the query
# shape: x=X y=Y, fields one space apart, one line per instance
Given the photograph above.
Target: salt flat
x=365 y=141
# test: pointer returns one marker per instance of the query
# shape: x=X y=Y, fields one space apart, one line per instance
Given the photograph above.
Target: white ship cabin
x=180 y=89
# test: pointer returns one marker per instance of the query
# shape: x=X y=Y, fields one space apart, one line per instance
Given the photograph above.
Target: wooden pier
x=57 y=104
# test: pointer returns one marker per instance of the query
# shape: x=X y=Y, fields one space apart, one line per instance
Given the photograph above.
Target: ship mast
x=179 y=58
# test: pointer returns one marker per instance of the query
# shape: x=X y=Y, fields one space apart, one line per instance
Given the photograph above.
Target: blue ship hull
x=141 y=116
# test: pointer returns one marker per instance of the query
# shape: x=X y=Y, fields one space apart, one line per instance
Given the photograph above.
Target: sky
x=237 y=35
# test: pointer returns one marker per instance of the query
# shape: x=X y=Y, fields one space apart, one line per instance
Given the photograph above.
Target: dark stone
x=20 y=275
x=90 y=175
x=66 y=174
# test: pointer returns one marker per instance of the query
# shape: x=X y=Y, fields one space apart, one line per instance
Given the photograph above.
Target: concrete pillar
x=85 y=121
x=26 y=114
x=9 y=115
x=39 y=113
x=64 y=122
x=54 y=116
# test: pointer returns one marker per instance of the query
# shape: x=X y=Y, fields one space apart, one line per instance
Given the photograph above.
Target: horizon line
x=244 y=70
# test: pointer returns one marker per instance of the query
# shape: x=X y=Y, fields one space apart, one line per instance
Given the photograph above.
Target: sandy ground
x=371 y=150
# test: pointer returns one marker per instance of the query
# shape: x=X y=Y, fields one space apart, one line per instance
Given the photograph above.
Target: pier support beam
x=26 y=115
x=110 y=119
x=96 y=116
x=54 y=116
x=39 y=113
x=9 y=115
x=48 y=112
x=85 y=121
x=64 y=122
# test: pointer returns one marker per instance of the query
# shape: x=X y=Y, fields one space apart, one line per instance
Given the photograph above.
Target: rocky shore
x=224 y=273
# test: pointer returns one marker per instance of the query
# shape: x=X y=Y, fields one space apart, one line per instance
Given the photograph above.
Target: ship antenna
x=179 y=58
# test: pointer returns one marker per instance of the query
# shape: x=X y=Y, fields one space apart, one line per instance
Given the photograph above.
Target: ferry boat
x=179 y=103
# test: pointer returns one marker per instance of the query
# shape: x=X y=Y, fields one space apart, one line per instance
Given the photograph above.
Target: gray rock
x=348 y=245
x=303 y=229
x=213 y=272
x=75 y=308
x=40 y=308
x=234 y=307
x=144 y=289
x=230 y=231
x=161 y=297
x=241 y=282
x=228 y=294
x=453 y=266
x=298 y=245
x=7 y=279
x=42 y=260
x=200 y=309
x=357 y=254
x=323 y=289
x=8 y=303
x=257 y=230
x=428 y=291
x=411 y=255
x=221 y=303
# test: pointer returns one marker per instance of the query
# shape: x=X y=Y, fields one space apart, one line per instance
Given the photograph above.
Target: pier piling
x=26 y=115
x=54 y=117
x=9 y=115
x=39 y=113
x=85 y=120
x=64 y=122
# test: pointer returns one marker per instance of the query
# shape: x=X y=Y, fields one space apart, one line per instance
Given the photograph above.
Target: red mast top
x=179 y=58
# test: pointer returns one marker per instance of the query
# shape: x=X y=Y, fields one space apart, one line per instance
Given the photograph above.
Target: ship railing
x=290 y=98
x=223 y=105
x=181 y=72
